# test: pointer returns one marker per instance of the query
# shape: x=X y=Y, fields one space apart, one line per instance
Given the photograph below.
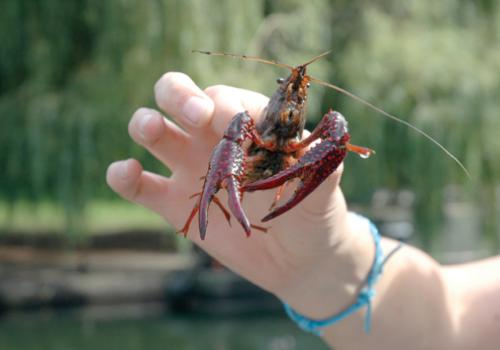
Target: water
x=70 y=331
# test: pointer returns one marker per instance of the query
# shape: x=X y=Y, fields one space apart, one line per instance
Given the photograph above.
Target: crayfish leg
x=278 y=195
x=224 y=210
x=195 y=195
x=260 y=228
x=185 y=229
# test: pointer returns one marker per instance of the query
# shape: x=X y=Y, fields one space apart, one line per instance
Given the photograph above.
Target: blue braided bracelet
x=364 y=297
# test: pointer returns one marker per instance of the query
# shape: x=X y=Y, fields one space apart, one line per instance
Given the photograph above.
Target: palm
x=290 y=239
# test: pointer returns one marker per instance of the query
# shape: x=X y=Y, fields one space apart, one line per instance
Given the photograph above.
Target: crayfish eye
x=308 y=85
x=280 y=80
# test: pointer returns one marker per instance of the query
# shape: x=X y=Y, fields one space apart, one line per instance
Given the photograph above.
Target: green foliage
x=436 y=64
x=72 y=73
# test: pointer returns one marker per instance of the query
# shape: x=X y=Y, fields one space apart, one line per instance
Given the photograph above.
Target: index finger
x=229 y=101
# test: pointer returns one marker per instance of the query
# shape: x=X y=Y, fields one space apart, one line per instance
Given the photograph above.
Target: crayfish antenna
x=314 y=59
x=345 y=92
x=245 y=57
x=393 y=117
x=262 y=60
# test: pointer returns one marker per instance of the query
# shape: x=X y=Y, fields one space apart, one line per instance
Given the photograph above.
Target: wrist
x=332 y=282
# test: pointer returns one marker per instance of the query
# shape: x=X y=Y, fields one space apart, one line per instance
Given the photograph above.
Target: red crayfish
x=267 y=154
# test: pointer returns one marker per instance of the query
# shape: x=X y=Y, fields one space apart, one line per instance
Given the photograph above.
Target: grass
x=99 y=216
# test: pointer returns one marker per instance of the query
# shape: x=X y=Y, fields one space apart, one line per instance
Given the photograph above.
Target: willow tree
x=73 y=72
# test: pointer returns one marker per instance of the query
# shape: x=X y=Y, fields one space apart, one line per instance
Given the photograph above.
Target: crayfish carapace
x=276 y=152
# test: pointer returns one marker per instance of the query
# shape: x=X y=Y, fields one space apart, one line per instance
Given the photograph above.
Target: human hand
x=301 y=246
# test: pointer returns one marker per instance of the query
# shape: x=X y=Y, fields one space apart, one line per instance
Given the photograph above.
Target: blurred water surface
x=64 y=331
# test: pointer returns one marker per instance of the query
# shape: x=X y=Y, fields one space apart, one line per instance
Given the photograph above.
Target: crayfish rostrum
x=268 y=154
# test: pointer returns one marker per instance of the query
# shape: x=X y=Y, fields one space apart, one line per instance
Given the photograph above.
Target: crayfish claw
x=276 y=180
x=185 y=229
x=234 y=202
x=304 y=188
x=363 y=152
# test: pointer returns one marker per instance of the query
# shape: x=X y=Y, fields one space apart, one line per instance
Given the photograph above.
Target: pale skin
x=315 y=257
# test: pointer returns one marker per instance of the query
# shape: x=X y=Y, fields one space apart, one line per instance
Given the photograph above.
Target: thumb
x=321 y=200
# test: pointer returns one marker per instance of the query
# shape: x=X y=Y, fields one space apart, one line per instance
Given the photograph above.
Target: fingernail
x=196 y=109
x=143 y=125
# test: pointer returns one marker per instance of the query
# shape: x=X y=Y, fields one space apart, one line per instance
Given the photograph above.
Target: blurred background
x=81 y=268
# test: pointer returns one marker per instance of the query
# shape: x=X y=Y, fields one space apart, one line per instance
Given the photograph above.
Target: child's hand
x=298 y=248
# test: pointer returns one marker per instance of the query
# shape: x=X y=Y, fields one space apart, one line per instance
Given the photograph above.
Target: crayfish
x=267 y=154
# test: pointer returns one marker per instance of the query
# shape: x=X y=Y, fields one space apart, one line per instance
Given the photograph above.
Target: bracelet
x=365 y=296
